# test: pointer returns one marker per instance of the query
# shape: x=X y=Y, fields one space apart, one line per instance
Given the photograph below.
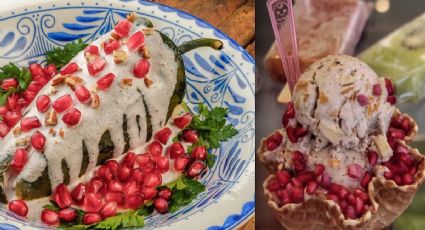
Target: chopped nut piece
x=143 y=50
x=347 y=89
x=148 y=82
x=52 y=90
x=52 y=132
x=91 y=57
x=333 y=133
x=95 y=101
x=148 y=31
x=132 y=17
x=51 y=118
x=334 y=163
x=61 y=132
x=126 y=82
x=59 y=79
x=93 y=88
x=73 y=81
x=323 y=98
x=123 y=41
x=120 y=56
x=16 y=131
x=384 y=149
x=24 y=141
x=348 y=80
x=115 y=36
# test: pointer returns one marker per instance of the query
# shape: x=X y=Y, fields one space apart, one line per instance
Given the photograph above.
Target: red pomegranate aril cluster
x=402 y=166
x=109 y=46
x=400 y=126
x=391 y=92
x=273 y=141
x=122 y=29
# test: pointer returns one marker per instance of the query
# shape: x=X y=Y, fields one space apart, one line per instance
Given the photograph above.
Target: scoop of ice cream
x=342 y=102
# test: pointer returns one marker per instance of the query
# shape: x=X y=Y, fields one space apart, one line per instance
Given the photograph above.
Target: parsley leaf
x=129 y=219
x=52 y=206
x=183 y=195
x=61 y=56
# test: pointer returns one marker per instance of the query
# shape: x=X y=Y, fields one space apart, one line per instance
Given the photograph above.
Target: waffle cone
x=388 y=201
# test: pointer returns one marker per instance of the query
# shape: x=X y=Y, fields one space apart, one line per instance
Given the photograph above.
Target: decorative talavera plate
x=216 y=78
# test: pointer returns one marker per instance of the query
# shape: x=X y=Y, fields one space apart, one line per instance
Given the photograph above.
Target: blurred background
x=407 y=69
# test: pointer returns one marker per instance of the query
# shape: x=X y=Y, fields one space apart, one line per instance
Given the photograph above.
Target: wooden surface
x=235 y=18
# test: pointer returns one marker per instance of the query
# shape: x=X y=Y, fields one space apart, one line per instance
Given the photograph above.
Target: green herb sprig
x=23 y=76
x=184 y=191
x=61 y=56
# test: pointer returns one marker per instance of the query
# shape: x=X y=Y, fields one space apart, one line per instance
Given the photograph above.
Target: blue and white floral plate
x=216 y=78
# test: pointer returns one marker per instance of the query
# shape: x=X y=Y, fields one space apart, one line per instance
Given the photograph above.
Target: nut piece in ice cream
x=384 y=149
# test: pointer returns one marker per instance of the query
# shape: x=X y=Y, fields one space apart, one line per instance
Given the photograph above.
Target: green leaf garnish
x=52 y=206
x=12 y=71
x=61 y=56
x=183 y=195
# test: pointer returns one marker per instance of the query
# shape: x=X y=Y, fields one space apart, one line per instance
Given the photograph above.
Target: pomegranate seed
x=190 y=136
x=298 y=161
x=297 y=195
x=117 y=197
x=296 y=182
x=199 y=153
x=183 y=121
x=131 y=188
x=405 y=124
x=68 y=214
x=19 y=159
x=163 y=135
x=50 y=70
x=273 y=186
x=95 y=185
x=165 y=193
x=361 y=194
x=141 y=68
x=135 y=41
x=36 y=69
x=376 y=89
x=69 y=69
x=108 y=210
x=394 y=168
x=351 y=199
x=181 y=162
x=41 y=79
x=50 y=217
x=34 y=87
x=104 y=172
x=398 y=180
x=92 y=203
x=311 y=187
x=4 y=129
x=290 y=110
x=196 y=169
x=362 y=99
x=152 y=180
x=3 y=110
x=284 y=197
x=162 y=163
x=143 y=159
x=305 y=176
x=372 y=157
x=397 y=133
x=19 y=207
x=79 y=193
x=43 y=103
x=176 y=150
x=396 y=120
x=62 y=196
x=38 y=140
x=390 y=87
x=138 y=175
x=407 y=179
x=110 y=46
x=129 y=159
x=12 y=102
x=134 y=201
x=96 y=66
x=283 y=177
x=161 y=205
x=366 y=180
x=115 y=186
x=350 y=212
x=333 y=197
x=319 y=169
x=91 y=218
x=301 y=132
x=343 y=192
x=402 y=150
x=392 y=99
x=148 y=168
x=92 y=49
x=9 y=83
x=113 y=166
x=105 y=82
x=290 y=132
x=273 y=141
x=29 y=123
x=354 y=170
x=62 y=103
x=149 y=193
x=155 y=148
x=124 y=173
x=123 y=28
x=72 y=117
x=83 y=94
x=412 y=171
